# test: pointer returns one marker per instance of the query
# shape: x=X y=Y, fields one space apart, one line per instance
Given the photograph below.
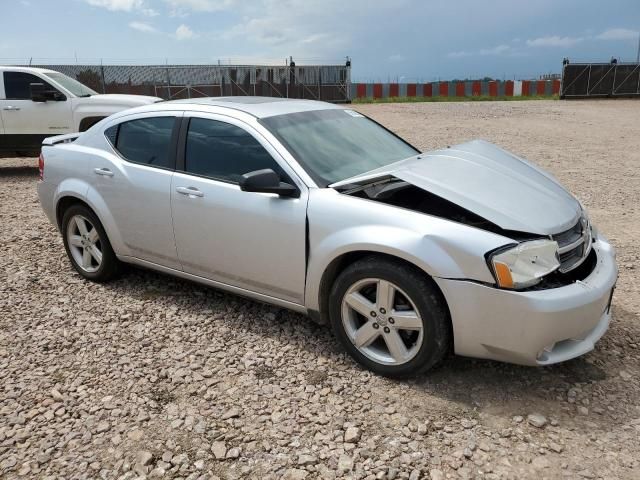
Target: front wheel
x=390 y=317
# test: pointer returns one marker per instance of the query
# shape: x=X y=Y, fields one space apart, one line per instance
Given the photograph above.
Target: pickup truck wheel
x=87 y=245
x=390 y=318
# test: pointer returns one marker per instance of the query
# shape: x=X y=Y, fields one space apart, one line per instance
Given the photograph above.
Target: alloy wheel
x=84 y=243
x=382 y=322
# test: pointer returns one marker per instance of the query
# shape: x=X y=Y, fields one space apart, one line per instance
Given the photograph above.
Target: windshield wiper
x=85 y=95
x=374 y=182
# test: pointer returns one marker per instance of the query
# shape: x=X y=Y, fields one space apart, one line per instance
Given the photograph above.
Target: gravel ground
x=153 y=376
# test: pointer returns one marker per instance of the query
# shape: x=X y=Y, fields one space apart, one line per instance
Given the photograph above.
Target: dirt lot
x=154 y=376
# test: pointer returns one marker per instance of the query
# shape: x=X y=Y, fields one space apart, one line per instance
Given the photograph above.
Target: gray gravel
x=155 y=377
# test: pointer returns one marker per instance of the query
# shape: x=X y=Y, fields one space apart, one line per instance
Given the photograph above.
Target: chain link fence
x=329 y=83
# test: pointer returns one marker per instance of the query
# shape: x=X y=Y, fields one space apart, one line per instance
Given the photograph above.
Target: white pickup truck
x=36 y=103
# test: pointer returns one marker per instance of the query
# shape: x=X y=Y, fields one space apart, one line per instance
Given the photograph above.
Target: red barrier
x=412 y=90
x=493 y=89
x=361 y=90
x=508 y=88
x=394 y=90
x=525 y=88
x=476 y=89
x=427 y=90
x=444 y=89
x=555 y=87
x=541 y=84
x=460 y=89
x=377 y=90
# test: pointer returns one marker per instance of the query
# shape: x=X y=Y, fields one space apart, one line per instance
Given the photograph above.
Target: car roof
x=259 y=107
x=24 y=68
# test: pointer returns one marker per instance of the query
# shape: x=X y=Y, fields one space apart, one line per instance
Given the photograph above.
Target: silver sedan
x=317 y=208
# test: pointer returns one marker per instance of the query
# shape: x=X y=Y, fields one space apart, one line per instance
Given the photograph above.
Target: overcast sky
x=401 y=40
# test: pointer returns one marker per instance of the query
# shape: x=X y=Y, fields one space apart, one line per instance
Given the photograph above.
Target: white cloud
x=499 y=50
x=397 y=58
x=554 y=41
x=142 y=27
x=183 y=32
x=124 y=6
x=309 y=30
x=618 y=34
x=317 y=37
x=199 y=5
x=459 y=54
x=115 y=5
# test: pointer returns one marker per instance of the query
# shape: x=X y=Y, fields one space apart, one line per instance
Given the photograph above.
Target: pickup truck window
x=74 y=86
x=17 y=85
x=223 y=151
x=145 y=140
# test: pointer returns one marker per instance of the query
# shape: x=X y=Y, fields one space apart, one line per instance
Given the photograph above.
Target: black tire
x=422 y=292
x=110 y=266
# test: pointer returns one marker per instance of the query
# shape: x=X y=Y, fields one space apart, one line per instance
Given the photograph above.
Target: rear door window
x=146 y=140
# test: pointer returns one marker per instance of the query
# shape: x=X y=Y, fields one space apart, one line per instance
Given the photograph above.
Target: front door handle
x=191 y=191
x=11 y=107
x=103 y=171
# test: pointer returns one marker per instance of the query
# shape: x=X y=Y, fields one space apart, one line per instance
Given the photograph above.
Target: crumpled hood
x=492 y=183
x=123 y=99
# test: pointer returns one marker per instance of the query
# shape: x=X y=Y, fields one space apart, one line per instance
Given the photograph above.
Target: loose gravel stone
x=219 y=450
x=233 y=453
x=537 y=420
x=144 y=457
x=352 y=435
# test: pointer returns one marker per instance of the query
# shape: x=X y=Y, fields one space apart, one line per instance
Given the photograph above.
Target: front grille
x=574 y=245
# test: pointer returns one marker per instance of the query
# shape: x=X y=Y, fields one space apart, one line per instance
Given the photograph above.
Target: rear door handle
x=103 y=171
x=11 y=107
x=191 y=191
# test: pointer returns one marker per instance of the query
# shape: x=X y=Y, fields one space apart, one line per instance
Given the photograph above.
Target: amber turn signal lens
x=503 y=275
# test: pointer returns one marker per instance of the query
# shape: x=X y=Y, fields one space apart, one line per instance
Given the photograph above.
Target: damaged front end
x=550 y=261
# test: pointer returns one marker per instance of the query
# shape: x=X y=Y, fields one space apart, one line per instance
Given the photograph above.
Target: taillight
x=41 y=166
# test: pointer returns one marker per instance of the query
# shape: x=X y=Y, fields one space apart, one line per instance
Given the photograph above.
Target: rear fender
x=84 y=192
x=99 y=206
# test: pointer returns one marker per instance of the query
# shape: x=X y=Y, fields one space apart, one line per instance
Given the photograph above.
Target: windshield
x=73 y=86
x=333 y=145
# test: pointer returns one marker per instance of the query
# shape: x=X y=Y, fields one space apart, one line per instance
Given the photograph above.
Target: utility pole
x=638 y=54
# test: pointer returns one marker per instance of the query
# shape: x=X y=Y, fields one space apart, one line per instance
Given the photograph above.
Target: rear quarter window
x=145 y=140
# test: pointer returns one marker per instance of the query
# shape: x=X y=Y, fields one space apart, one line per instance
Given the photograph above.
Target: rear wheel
x=390 y=317
x=87 y=245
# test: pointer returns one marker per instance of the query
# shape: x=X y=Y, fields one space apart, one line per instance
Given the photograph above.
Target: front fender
x=339 y=224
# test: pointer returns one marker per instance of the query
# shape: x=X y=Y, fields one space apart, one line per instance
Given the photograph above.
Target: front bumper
x=533 y=327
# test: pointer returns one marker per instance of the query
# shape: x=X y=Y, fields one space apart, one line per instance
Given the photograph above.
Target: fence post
x=104 y=88
x=168 y=85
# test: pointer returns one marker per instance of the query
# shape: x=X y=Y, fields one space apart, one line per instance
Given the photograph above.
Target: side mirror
x=42 y=93
x=267 y=181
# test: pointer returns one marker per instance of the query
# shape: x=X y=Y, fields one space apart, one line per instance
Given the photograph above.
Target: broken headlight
x=525 y=264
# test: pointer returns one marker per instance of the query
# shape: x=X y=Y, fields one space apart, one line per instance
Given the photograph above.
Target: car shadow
x=21 y=171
